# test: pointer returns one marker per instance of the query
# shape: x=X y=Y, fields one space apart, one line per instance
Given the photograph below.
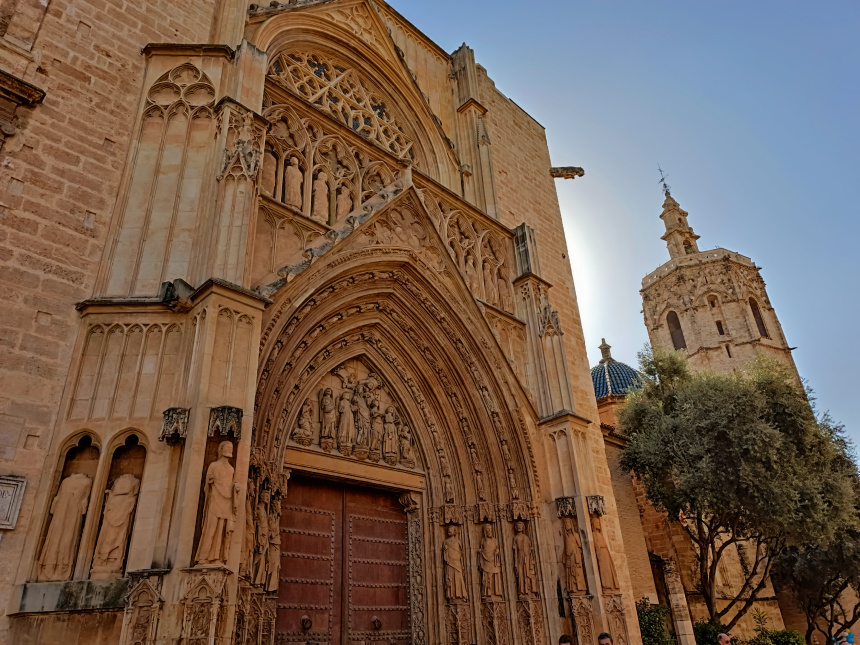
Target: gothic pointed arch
x=341 y=61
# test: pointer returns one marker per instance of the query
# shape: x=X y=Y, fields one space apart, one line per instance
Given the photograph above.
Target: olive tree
x=739 y=460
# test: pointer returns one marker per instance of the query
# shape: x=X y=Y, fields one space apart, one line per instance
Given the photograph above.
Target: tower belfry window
x=759 y=321
x=675 y=330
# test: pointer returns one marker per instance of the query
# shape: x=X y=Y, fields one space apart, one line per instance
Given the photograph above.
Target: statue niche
x=354 y=414
x=68 y=509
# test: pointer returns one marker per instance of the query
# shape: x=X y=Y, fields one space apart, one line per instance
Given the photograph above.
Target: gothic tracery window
x=339 y=91
x=675 y=330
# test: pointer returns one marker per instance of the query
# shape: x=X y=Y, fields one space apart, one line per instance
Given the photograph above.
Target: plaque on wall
x=11 y=494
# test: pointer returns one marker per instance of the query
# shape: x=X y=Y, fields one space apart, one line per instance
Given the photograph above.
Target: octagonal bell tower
x=713 y=304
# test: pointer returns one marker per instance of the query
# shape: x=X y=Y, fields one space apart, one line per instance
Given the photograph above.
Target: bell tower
x=713 y=303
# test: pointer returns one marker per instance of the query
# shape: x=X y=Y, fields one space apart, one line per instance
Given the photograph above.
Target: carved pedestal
x=457 y=623
x=494 y=621
x=582 y=612
x=530 y=620
x=616 y=618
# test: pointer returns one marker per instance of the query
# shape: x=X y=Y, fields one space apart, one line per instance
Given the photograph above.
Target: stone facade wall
x=59 y=178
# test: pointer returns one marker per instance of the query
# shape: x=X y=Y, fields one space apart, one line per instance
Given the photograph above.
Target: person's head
x=724 y=639
x=225 y=449
x=565 y=638
x=604 y=639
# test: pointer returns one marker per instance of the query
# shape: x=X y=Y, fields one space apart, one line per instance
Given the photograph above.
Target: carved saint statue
x=506 y=301
x=406 y=458
x=67 y=512
x=491 y=288
x=377 y=428
x=116 y=527
x=452 y=556
x=524 y=561
x=512 y=483
x=346 y=426
x=448 y=489
x=293 y=184
x=362 y=421
x=574 y=574
x=328 y=419
x=471 y=274
x=219 y=510
x=274 y=560
x=389 y=438
x=250 y=538
x=304 y=432
x=320 y=210
x=608 y=576
x=490 y=564
x=261 y=539
x=344 y=203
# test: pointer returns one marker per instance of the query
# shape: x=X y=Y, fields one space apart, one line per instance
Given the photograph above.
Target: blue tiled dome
x=610 y=377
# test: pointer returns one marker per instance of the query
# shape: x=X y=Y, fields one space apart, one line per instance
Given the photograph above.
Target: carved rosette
x=582 y=611
x=225 y=419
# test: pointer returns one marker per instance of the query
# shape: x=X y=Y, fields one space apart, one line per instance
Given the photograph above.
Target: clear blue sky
x=753 y=108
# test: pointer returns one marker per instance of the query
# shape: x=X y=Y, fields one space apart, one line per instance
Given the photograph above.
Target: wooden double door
x=344 y=566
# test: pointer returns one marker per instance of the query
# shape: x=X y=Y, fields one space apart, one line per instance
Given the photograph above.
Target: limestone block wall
x=59 y=176
x=525 y=192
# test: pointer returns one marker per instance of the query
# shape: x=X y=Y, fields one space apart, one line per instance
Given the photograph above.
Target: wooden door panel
x=344 y=564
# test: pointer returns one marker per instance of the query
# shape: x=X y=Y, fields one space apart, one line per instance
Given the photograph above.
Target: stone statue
x=304 y=432
x=406 y=458
x=524 y=561
x=293 y=184
x=480 y=485
x=250 y=539
x=377 y=428
x=608 y=576
x=328 y=419
x=344 y=203
x=490 y=564
x=57 y=559
x=261 y=539
x=389 y=437
x=512 y=482
x=219 y=510
x=116 y=527
x=572 y=558
x=362 y=421
x=274 y=560
x=448 y=489
x=346 y=426
x=320 y=210
x=491 y=289
x=471 y=275
x=506 y=300
x=452 y=556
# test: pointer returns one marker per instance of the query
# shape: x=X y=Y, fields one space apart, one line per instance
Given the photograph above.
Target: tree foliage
x=652 y=623
x=743 y=459
x=825 y=581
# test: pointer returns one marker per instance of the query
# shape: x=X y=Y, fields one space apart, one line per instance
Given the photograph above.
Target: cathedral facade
x=292 y=351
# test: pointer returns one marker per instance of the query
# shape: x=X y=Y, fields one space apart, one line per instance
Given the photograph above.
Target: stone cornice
x=18 y=91
x=182 y=49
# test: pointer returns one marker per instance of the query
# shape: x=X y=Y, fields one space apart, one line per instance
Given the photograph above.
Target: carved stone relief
x=175 y=425
x=582 y=611
x=354 y=413
x=142 y=611
x=617 y=620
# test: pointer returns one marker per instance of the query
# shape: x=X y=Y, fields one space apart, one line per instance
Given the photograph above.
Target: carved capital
x=565 y=506
x=225 y=419
x=175 y=426
x=596 y=505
